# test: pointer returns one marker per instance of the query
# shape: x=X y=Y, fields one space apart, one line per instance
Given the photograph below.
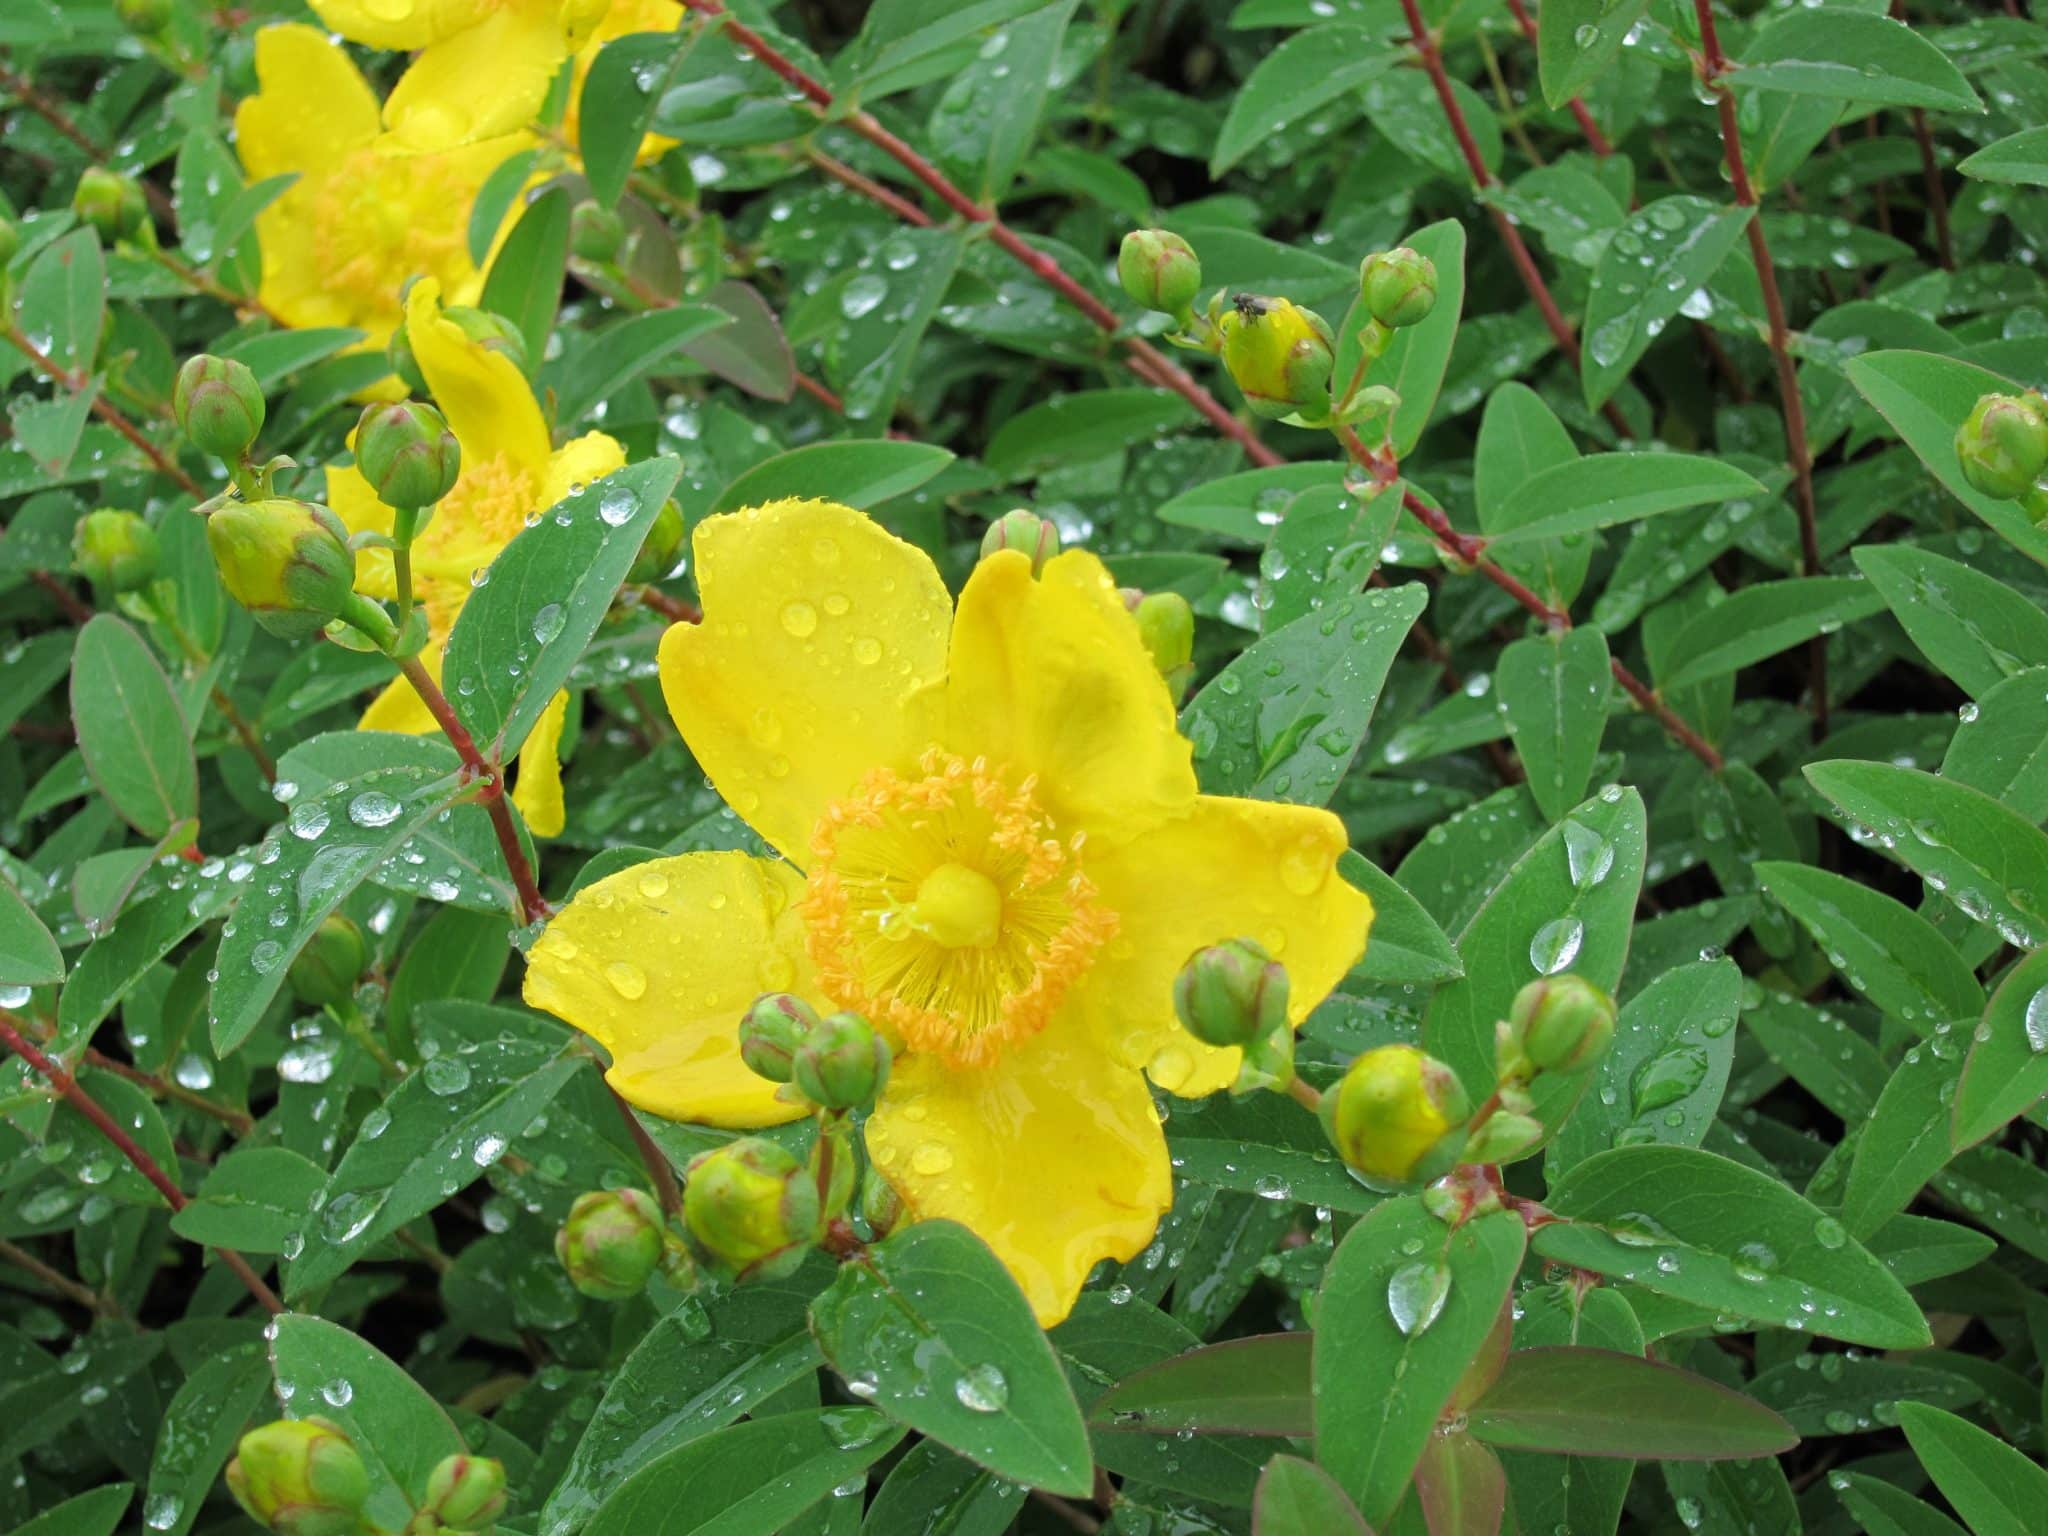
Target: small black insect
x=1249 y=306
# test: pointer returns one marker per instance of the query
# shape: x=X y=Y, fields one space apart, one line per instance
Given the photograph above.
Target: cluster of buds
x=613 y=1242
x=1235 y=994
x=113 y=206
x=836 y=1062
x=2002 y=447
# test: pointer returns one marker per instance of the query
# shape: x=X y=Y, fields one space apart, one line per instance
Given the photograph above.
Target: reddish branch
x=1595 y=139
x=58 y=374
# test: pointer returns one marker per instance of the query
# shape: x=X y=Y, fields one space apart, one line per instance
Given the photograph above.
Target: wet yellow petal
x=312 y=107
x=537 y=790
x=1231 y=869
x=399 y=708
x=350 y=498
x=486 y=399
x=658 y=962
x=400 y=25
x=482 y=81
x=583 y=460
x=1050 y=678
x=818 y=627
x=1053 y=1156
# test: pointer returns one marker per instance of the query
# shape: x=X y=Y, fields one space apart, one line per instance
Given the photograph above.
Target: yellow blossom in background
x=996 y=851
x=624 y=18
x=364 y=216
x=510 y=474
x=483 y=67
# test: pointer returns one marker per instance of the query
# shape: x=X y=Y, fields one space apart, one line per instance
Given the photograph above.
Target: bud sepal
x=611 y=1243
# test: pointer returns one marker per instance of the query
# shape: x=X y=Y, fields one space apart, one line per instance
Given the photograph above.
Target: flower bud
x=1503 y=1138
x=1399 y=286
x=1279 y=354
x=611 y=1243
x=1021 y=529
x=595 y=232
x=145 y=18
x=219 y=405
x=407 y=453
x=751 y=1208
x=1159 y=270
x=466 y=1493
x=771 y=1031
x=1559 y=1024
x=492 y=332
x=287 y=562
x=2003 y=445
x=116 y=551
x=880 y=1206
x=842 y=1062
x=1231 y=993
x=1166 y=625
x=325 y=973
x=1393 y=1115
x=664 y=542
x=300 y=1477
x=111 y=203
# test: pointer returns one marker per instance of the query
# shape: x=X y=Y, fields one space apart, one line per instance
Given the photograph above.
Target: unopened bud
x=287 y=562
x=1394 y=1114
x=611 y=1243
x=465 y=1493
x=111 y=203
x=1159 y=270
x=145 y=18
x=325 y=972
x=300 y=1477
x=1279 y=354
x=1399 y=286
x=2003 y=445
x=751 y=1208
x=1036 y=536
x=880 y=1206
x=595 y=232
x=1503 y=1138
x=219 y=405
x=842 y=1062
x=664 y=542
x=1231 y=993
x=116 y=551
x=771 y=1031
x=1166 y=624
x=1558 y=1024
x=492 y=332
x=407 y=453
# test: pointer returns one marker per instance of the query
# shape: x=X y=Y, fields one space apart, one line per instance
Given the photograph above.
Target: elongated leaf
x=1904 y=1141
x=1248 y=506
x=252 y=1200
x=885 y=307
x=131 y=728
x=1974 y=628
x=96 y=1512
x=1576 y=41
x=620 y=91
x=1460 y=1485
x=1519 y=438
x=525 y=281
x=1848 y=55
x=29 y=957
x=620 y=354
x=1298 y=1498
x=2003 y=749
x=2018 y=159
x=1406 y=943
x=1305 y=73
x=1578 y=1493
x=935 y=1493
x=1998 y=1491
x=199 y=1431
x=1761 y=621
x=1069 y=429
x=986 y=120
x=1255 y=1386
x=1583 y=494
x=2007 y=1070
x=855 y=474
x=1664 y=253
x=1414 y=362
x=1598 y=1402
x=63 y=296
x=1552 y=691
x=1886 y=951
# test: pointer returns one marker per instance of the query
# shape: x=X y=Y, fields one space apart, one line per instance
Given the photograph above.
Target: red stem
x=666 y=1189
x=54 y=371
x=1595 y=139
x=62 y=596
x=1937 y=197
x=51 y=113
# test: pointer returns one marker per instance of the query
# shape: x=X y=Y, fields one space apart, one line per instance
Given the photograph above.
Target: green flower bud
x=219 y=405
x=111 y=203
x=145 y=18
x=300 y=1477
x=466 y=1493
x=880 y=1206
x=1279 y=354
x=1231 y=993
x=1021 y=529
x=664 y=542
x=771 y=1031
x=287 y=562
x=611 y=1243
x=1502 y=1139
x=1397 y=1114
x=325 y=973
x=116 y=551
x=751 y=1208
x=407 y=453
x=841 y=1063
x=1399 y=286
x=595 y=232
x=492 y=332
x=1159 y=270
x=2003 y=445
x=1166 y=624
x=1559 y=1024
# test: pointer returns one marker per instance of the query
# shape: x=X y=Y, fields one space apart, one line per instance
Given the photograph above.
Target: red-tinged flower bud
x=407 y=453
x=300 y=1477
x=116 y=551
x=1399 y=286
x=1036 y=536
x=1231 y=993
x=287 y=562
x=219 y=405
x=842 y=1062
x=1394 y=1112
x=325 y=972
x=662 y=546
x=1503 y=1138
x=1159 y=270
x=595 y=232
x=111 y=203
x=1560 y=1024
x=611 y=1243
x=2003 y=445
x=771 y=1033
x=751 y=1208
x=1279 y=354
x=466 y=1493
x=145 y=18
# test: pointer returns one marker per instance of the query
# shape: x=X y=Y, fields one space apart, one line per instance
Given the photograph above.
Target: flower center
x=946 y=906
x=469 y=529
x=379 y=219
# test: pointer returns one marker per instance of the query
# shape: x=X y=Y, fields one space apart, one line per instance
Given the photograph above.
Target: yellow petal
x=538 y=790
x=1230 y=869
x=350 y=498
x=482 y=81
x=399 y=708
x=818 y=628
x=580 y=461
x=1049 y=677
x=1053 y=1156
x=658 y=962
x=400 y=25
x=312 y=107
x=486 y=399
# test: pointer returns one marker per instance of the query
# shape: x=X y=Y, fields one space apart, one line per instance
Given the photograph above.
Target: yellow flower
x=624 y=17
x=997 y=852
x=509 y=473
x=364 y=216
x=483 y=67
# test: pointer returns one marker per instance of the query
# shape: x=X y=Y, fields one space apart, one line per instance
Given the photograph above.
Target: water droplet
x=1416 y=1294
x=373 y=808
x=445 y=1075
x=982 y=1389
x=308 y=820
x=547 y=623
x=931 y=1158
x=2036 y=1021
x=862 y=294
x=1829 y=1233
x=617 y=506
x=800 y=620
x=627 y=979
x=1556 y=945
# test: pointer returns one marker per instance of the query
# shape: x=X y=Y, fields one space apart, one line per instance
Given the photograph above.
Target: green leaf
x=494 y=199
x=2003 y=750
x=29 y=957
x=145 y=932
x=1854 y=1393
x=1254 y=1386
x=1552 y=691
x=50 y=1401
x=855 y=474
x=986 y=121
x=1886 y=951
x=253 y=1200
x=1996 y=1490
x=1761 y=621
x=1580 y=495
x=1889 y=1511
x=622 y=353
x=1581 y=1494
x=131 y=728
x=1248 y=506
x=2007 y=1070
x=1298 y=1498
x=525 y=281
x=1328 y=544
x=1284 y=720
x=935 y=1493
x=95 y=1512
x=1973 y=627
x=1690 y=1225
x=1307 y=72
x=542 y=600
x=1904 y=1141
x=1576 y=43
x=752 y=351
x=200 y=1428
x=63 y=298
x=1414 y=362
x=1852 y=56
x=1600 y=1402
x=905 y=42
x=885 y=305
x=1661 y=255
x=1379 y=1390
x=1405 y=945
x=274 y=356
x=2018 y=159
x=937 y=1335
x=1519 y=438
x=1087 y=424
x=324 y=1370
x=620 y=91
